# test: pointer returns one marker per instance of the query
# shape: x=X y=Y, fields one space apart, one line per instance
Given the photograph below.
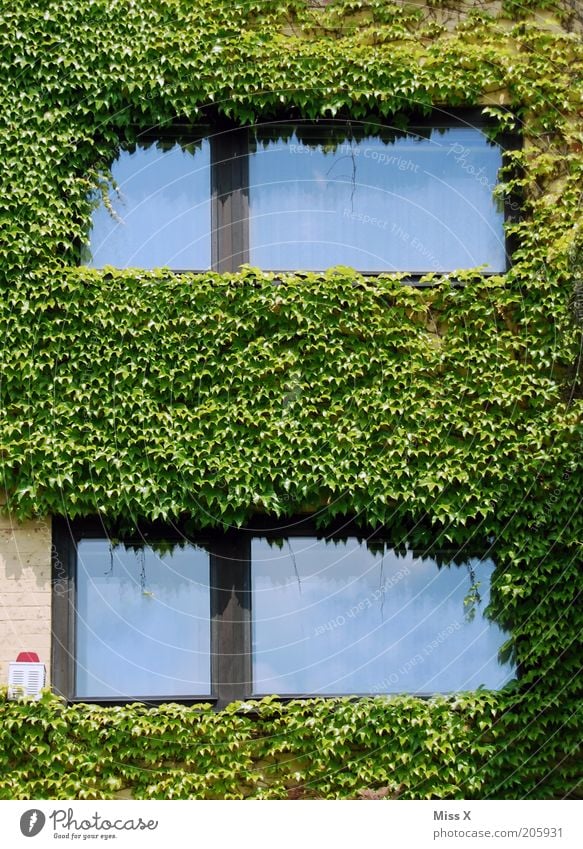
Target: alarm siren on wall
x=26 y=676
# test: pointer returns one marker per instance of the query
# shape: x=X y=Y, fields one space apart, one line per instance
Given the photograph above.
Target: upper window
x=405 y=205
x=308 y=197
x=246 y=614
x=160 y=213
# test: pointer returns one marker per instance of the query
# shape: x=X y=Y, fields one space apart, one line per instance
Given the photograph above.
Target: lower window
x=250 y=613
x=142 y=620
x=337 y=617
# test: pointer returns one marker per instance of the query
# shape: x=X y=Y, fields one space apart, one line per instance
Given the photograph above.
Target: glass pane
x=142 y=621
x=415 y=204
x=162 y=211
x=334 y=617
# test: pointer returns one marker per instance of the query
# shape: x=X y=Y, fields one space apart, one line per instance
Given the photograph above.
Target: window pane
x=415 y=204
x=163 y=211
x=142 y=621
x=337 y=618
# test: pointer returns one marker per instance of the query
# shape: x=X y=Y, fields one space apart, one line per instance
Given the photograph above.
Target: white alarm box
x=25 y=679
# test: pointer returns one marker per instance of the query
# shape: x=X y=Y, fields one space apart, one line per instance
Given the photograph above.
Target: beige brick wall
x=25 y=591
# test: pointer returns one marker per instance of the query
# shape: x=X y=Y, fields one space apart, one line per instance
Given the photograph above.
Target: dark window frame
x=229 y=177
x=230 y=610
x=230 y=598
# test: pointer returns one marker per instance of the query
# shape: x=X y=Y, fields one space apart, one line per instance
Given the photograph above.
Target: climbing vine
x=402 y=748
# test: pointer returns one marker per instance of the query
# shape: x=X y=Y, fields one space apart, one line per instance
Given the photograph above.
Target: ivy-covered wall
x=451 y=413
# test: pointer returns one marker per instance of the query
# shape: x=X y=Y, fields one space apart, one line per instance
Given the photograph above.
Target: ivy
x=455 y=406
x=119 y=383
x=467 y=746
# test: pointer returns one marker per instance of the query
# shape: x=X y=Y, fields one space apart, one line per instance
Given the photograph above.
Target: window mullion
x=231 y=618
x=230 y=200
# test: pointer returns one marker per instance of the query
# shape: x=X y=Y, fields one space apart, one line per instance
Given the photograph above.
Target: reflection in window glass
x=337 y=618
x=415 y=204
x=162 y=213
x=142 y=621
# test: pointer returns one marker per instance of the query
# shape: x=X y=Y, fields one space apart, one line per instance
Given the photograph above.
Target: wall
x=25 y=591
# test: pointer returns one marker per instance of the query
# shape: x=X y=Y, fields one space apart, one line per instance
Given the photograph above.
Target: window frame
x=229 y=182
x=230 y=611
x=231 y=604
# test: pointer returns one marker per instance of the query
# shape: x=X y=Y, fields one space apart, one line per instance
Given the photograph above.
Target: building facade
x=290 y=388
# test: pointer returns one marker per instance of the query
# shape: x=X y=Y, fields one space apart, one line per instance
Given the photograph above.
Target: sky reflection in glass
x=413 y=205
x=142 y=621
x=336 y=618
x=163 y=211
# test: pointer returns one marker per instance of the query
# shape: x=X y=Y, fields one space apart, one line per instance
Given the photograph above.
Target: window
x=336 y=617
x=141 y=620
x=403 y=205
x=308 y=196
x=249 y=613
x=161 y=213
